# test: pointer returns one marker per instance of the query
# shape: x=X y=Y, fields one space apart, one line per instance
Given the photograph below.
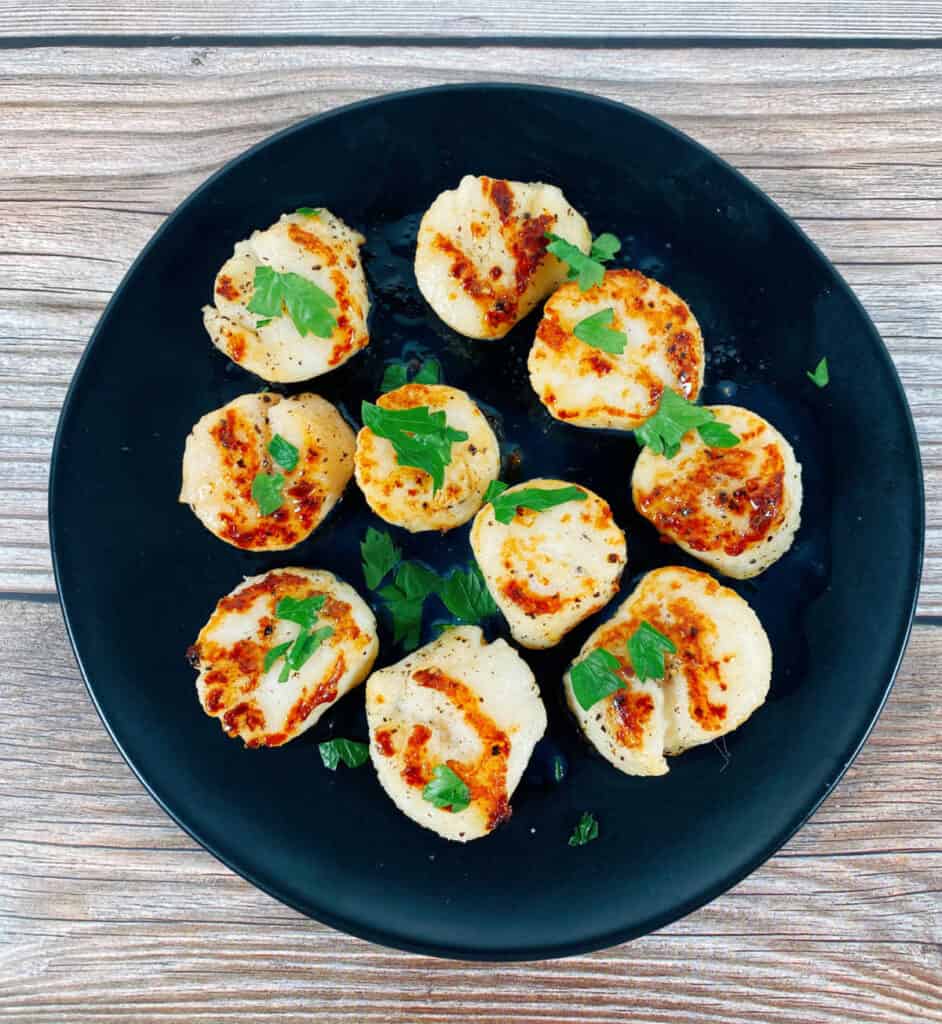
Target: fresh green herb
x=447 y=790
x=394 y=376
x=351 y=752
x=465 y=595
x=596 y=677
x=494 y=488
x=594 y=331
x=430 y=372
x=559 y=768
x=646 y=649
x=283 y=452
x=380 y=556
x=263 y=323
x=307 y=211
x=537 y=499
x=266 y=492
x=675 y=416
x=405 y=599
x=588 y=270
x=275 y=653
x=820 y=376
x=604 y=247
x=420 y=437
x=717 y=435
x=585 y=831
x=307 y=305
x=418 y=370
x=303 y=611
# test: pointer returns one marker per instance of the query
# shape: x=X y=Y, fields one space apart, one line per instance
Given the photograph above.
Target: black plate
x=138 y=575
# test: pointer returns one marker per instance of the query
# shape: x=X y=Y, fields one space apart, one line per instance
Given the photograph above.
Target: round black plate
x=138 y=575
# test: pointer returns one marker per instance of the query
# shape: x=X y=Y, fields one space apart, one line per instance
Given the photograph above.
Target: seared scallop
x=549 y=570
x=481 y=259
x=462 y=705
x=589 y=386
x=229 y=448
x=718 y=675
x=406 y=496
x=736 y=509
x=266 y=675
x=313 y=248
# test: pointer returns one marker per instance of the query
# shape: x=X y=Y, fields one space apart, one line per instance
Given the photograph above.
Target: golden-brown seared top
x=737 y=508
x=229 y=448
x=249 y=699
x=481 y=259
x=589 y=387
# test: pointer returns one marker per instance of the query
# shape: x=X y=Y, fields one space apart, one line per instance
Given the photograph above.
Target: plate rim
x=536 y=951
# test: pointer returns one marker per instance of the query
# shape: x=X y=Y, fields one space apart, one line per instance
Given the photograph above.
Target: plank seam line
x=607 y=42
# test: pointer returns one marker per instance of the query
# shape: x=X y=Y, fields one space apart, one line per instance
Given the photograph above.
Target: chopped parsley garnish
x=675 y=416
x=307 y=305
x=302 y=611
x=646 y=649
x=380 y=556
x=447 y=790
x=405 y=599
x=263 y=323
x=418 y=371
x=266 y=492
x=594 y=330
x=595 y=677
x=585 y=831
x=351 y=752
x=536 y=499
x=587 y=270
x=494 y=488
x=421 y=438
x=820 y=376
x=465 y=595
x=283 y=452
x=308 y=211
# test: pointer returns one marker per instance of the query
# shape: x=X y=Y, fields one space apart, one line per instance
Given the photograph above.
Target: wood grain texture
x=109 y=912
x=98 y=145
x=430 y=19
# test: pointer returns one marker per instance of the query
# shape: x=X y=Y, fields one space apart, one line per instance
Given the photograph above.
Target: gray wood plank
x=108 y=911
x=644 y=19
x=98 y=145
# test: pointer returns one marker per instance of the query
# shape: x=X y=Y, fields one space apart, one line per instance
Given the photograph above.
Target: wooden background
x=109 y=115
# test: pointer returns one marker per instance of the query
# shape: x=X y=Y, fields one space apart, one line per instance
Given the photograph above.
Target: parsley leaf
x=465 y=595
x=494 y=488
x=447 y=790
x=717 y=435
x=275 y=653
x=307 y=305
x=351 y=752
x=674 y=418
x=303 y=611
x=594 y=331
x=307 y=211
x=305 y=645
x=430 y=372
x=595 y=677
x=266 y=492
x=394 y=376
x=380 y=556
x=537 y=499
x=283 y=452
x=820 y=376
x=646 y=649
x=586 y=830
x=420 y=437
x=263 y=323
x=604 y=247
x=405 y=599
x=587 y=269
